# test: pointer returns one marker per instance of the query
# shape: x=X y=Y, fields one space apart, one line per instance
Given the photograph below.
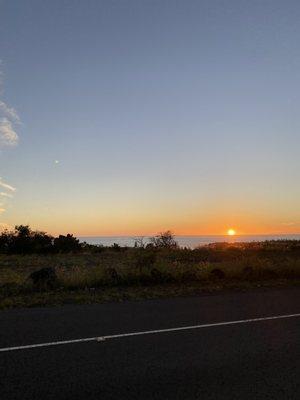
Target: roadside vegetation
x=38 y=269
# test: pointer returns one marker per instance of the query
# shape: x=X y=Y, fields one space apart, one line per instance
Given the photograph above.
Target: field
x=114 y=273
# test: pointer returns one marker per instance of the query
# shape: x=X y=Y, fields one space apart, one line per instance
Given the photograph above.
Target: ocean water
x=187 y=241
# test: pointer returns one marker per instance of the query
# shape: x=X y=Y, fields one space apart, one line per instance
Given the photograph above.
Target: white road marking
x=156 y=331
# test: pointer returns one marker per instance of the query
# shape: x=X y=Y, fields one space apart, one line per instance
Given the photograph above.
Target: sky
x=131 y=117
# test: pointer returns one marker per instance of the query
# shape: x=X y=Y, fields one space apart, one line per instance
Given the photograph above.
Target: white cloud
x=9 y=112
x=8 y=136
x=8 y=119
x=7 y=186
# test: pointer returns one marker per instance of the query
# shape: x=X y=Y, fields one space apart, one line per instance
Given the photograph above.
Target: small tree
x=66 y=244
x=164 y=240
x=139 y=242
x=21 y=242
x=6 y=238
x=23 y=231
x=41 y=242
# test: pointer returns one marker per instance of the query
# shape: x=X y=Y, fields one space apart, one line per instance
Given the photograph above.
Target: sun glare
x=231 y=232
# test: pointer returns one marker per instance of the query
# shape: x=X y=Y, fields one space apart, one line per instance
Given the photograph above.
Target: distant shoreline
x=191 y=241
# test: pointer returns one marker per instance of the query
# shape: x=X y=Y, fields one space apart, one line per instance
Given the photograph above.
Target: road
x=241 y=360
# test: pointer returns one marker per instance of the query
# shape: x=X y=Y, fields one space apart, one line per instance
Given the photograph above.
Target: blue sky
x=161 y=114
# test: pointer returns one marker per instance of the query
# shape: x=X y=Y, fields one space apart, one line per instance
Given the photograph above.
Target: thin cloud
x=8 y=135
x=7 y=186
x=4 y=194
x=9 y=112
x=8 y=119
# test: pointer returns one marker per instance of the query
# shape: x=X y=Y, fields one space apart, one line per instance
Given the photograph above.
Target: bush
x=44 y=279
x=66 y=244
x=217 y=273
x=25 y=241
x=164 y=240
x=145 y=259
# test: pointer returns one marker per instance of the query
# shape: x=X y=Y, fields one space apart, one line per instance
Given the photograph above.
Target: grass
x=119 y=294
x=115 y=275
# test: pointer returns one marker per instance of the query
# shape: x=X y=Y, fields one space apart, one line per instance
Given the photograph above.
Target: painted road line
x=152 y=332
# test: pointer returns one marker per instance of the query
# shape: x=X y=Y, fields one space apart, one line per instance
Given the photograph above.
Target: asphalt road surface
x=242 y=359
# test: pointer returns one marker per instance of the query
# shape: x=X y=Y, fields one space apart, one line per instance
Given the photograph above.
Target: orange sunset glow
x=231 y=232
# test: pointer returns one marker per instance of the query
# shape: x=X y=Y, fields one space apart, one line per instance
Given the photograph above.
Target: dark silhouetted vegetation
x=25 y=241
x=66 y=244
x=164 y=240
x=33 y=262
x=44 y=279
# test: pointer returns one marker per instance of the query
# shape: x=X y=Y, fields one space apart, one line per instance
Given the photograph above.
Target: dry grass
x=136 y=273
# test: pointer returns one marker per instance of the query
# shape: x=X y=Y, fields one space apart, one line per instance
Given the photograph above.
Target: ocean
x=187 y=241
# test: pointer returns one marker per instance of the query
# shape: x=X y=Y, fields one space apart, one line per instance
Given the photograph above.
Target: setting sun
x=231 y=232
